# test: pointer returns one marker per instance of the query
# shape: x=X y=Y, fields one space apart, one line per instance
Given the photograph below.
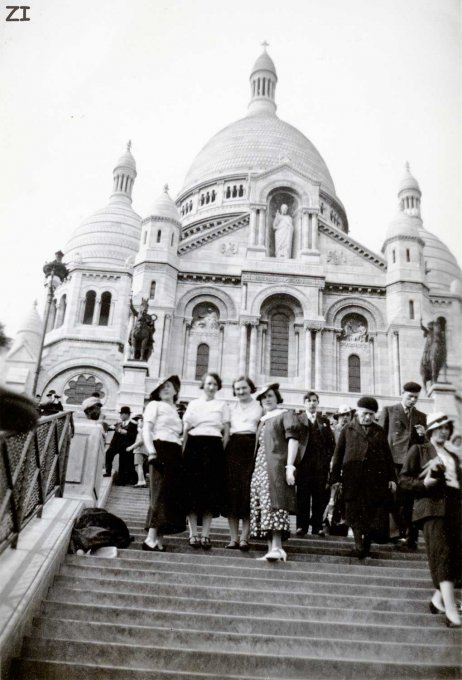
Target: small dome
x=440 y=264
x=164 y=206
x=30 y=331
x=126 y=160
x=264 y=63
x=108 y=237
x=408 y=182
x=403 y=225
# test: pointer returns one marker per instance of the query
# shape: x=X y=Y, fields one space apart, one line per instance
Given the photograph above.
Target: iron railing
x=32 y=470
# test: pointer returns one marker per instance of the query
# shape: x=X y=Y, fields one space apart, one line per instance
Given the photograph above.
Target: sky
x=372 y=83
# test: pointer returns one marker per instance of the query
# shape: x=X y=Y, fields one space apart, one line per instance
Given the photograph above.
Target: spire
x=124 y=175
x=263 y=79
x=409 y=193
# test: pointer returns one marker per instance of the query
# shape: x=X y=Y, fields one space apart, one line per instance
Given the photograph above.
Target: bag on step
x=96 y=528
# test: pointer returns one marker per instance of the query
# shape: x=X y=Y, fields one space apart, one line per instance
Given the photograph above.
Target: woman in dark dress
x=363 y=462
x=162 y=429
x=272 y=489
x=432 y=473
x=206 y=428
x=245 y=415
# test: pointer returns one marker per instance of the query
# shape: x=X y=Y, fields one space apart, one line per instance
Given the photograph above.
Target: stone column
x=308 y=345
x=253 y=350
x=187 y=330
x=262 y=227
x=314 y=231
x=94 y=321
x=222 y=346
x=243 y=348
x=305 y=230
x=165 y=345
x=396 y=363
x=372 y=359
x=253 y=227
x=318 y=359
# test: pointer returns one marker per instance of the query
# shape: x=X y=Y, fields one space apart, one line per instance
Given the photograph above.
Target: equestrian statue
x=141 y=336
x=435 y=354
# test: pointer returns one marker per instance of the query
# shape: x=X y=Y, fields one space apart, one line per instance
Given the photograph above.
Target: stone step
x=257 y=586
x=316 y=646
x=258 y=665
x=393 y=630
x=156 y=562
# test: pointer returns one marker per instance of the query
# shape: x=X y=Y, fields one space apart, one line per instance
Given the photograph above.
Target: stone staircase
x=187 y=613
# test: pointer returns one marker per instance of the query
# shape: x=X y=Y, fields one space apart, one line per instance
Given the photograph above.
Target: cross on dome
x=166 y=188
x=265 y=44
x=129 y=145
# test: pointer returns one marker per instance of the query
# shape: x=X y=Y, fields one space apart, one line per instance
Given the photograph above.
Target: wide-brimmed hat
x=174 y=379
x=343 y=410
x=369 y=403
x=265 y=389
x=436 y=420
x=125 y=409
x=90 y=402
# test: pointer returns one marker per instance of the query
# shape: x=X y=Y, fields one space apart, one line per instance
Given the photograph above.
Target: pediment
x=207 y=234
x=339 y=249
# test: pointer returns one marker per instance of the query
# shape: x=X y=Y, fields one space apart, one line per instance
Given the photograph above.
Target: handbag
x=334 y=513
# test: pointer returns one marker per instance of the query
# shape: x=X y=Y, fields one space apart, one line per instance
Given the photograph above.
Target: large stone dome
x=258 y=143
x=441 y=265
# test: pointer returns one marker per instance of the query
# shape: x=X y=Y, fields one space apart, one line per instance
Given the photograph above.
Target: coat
x=276 y=433
x=400 y=430
x=370 y=480
x=324 y=456
x=429 y=501
x=124 y=435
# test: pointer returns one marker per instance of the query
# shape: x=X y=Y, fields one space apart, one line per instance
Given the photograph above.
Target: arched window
x=202 y=360
x=241 y=190
x=90 y=300
x=81 y=387
x=159 y=235
x=279 y=357
x=105 y=309
x=228 y=192
x=152 y=290
x=408 y=255
x=354 y=373
x=411 y=309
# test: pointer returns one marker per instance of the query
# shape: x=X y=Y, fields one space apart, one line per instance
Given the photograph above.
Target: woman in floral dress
x=272 y=489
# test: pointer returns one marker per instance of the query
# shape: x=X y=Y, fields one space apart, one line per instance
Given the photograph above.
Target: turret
x=124 y=176
x=263 y=79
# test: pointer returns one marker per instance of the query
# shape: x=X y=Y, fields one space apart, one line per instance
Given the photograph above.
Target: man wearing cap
x=92 y=408
x=316 y=446
x=124 y=436
x=363 y=462
x=404 y=426
x=343 y=416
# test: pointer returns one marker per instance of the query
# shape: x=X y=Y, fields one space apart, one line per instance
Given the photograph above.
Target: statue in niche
x=283 y=232
x=354 y=329
x=141 y=337
x=207 y=321
x=434 y=354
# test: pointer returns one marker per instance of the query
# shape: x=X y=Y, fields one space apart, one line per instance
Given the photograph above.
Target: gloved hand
x=290 y=475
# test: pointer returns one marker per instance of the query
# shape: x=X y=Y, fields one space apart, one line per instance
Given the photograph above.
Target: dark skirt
x=371 y=520
x=204 y=475
x=443 y=541
x=166 y=481
x=239 y=465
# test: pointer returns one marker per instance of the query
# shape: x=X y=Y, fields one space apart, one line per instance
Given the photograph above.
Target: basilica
x=250 y=270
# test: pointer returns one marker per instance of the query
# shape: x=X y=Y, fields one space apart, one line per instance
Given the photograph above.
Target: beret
x=368 y=402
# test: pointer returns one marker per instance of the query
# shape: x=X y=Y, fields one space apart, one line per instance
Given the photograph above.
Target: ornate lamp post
x=56 y=269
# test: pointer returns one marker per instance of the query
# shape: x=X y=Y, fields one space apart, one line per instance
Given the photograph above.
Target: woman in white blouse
x=206 y=428
x=162 y=430
x=239 y=460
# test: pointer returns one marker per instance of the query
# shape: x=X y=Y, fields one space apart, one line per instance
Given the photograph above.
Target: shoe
x=452 y=624
x=148 y=547
x=194 y=542
x=320 y=533
x=232 y=545
x=157 y=548
x=300 y=532
x=244 y=545
x=139 y=485
x=205 y=543
x=356 y=552
x=276 y=555
x=107 y=474
x=434 y=609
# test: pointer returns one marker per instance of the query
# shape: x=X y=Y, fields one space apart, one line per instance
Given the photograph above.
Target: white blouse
x=167 y=423
x=206 y=417
x=245 y=417
x=450 y=470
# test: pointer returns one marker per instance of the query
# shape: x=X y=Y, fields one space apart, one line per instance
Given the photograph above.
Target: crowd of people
x=257 y=463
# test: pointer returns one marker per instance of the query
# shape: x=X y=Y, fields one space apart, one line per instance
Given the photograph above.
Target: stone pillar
x=96 y=310
x=262 y=227
x=243 y=348
x=165 y=345
x=305 y=230
x=253 y=350
x=372 y=359
x=187 y=330
x=314 y=231
x=318 y=360
x=396 y=363
x=308 y=345
x=253 y=227
x=222 y=347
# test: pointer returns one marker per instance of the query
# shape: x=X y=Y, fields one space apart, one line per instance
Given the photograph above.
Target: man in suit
x=125 y=434
x=404 y=426
x=316 y=446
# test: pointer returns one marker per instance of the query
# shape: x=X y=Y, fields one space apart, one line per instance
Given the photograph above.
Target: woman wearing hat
x=206 y=426
x=272 y=489
x=343 y=416
x=239 y=460
x=363 y=462
x=432 y=473
x=162 y=429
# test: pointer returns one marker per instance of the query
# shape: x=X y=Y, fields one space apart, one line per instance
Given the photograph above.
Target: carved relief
x=206 y=318
x=354 y=328
x=336 y=257
x=229 y=249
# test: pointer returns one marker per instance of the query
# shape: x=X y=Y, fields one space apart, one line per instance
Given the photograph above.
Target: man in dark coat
x=125 y=434
x=363 y=463
x=316 y=446
x=404 y=426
